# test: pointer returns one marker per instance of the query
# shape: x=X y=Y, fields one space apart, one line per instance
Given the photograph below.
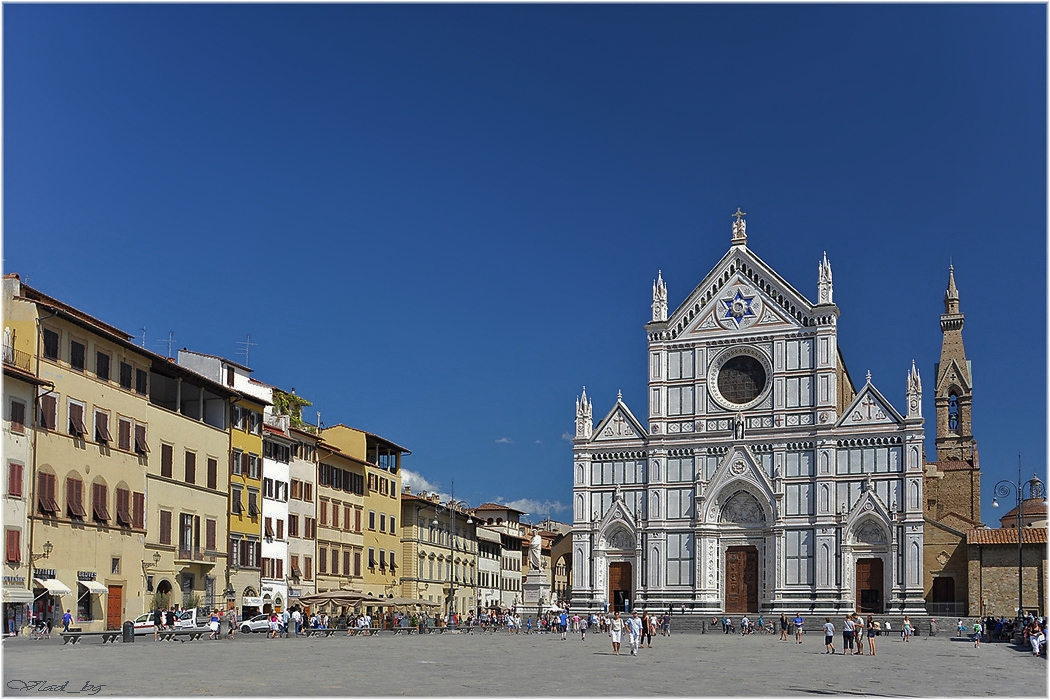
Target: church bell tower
x=954 y=390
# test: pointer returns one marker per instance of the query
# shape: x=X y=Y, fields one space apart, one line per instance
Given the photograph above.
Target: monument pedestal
x=535 y=596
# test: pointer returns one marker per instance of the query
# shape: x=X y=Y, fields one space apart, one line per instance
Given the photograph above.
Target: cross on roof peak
x=739 y=214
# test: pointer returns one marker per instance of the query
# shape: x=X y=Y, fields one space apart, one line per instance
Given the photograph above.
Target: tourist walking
x=647 y=631
x=798 y=621
x=213 y=625
x=977 y=634
x=615 y=631
x=858 y=633
x=67 y=620
x=158 y=623
x=829 y=636
x=783 y=627
x=231 y=618
x=634 y=626
x=872 y=627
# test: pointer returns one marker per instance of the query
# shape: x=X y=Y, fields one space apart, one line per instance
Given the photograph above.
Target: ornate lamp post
x=1035 y=490
x=47 y=552
x=450 y=508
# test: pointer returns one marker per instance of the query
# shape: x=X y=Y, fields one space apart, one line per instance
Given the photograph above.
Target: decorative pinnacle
x=619 y=395
x=739 y=228
x=869 y=376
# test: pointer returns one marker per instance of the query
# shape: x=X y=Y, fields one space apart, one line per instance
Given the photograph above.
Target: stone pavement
x=499 y=664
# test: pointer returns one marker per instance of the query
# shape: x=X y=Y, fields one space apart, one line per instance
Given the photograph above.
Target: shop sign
x=44 y=573
x=252 y=601
x=294 y=592
x=86 y=576
x=14 y=580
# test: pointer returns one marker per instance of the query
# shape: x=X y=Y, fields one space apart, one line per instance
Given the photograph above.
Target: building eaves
x=218 y=357
x=36 y=296
x=497 y=506
x=1008 y=535
x=380 y=438
x=27 y=377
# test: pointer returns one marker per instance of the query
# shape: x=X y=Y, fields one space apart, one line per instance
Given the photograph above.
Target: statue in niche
x=744 y=509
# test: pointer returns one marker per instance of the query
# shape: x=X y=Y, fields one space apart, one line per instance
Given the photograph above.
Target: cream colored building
x=506 y=521
x=87 y=483
x=188 y=487
x=440 y=552
x=339 y=536
x=302 y=513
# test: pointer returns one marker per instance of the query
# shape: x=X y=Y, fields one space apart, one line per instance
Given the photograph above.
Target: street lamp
x=47 y=552
x=146 y=566
x=1035 y=490
x=451 y=509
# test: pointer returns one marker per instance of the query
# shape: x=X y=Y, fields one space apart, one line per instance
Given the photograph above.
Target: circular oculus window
x=741 y=378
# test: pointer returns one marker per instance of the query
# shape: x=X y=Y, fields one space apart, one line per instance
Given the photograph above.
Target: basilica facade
x=762 y=479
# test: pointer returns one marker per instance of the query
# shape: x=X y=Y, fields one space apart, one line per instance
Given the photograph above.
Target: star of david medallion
x=739 y=310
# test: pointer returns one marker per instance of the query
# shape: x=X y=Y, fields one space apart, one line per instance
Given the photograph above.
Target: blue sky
x=438 y=222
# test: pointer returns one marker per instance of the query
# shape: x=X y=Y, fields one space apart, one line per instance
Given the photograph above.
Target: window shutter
x=209 y=535
x=335 y=561
x=124 y=434
x=280 y=529
x=76 y=420
x=48 y=411
x=213 y=473
x=124 y=507
x=41 y=493
x=98 y=502
x=14 y=479
x=18 y=416
x=308 y=568
x=244 y=462
x=191 y=468
x=245 y=544
x=346 y=562
x=140 y=439
x=14 y=547
x=357 y=520
x=165 y=527
x=102 y=427
x=280 y=568
x=138 y=511
x=166 y=459
x=258 y=551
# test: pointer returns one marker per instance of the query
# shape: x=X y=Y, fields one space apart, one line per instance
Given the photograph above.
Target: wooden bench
x=455 y=629
x=362 y=632
x=325 y=632
x=406 y=630
x=109 y=636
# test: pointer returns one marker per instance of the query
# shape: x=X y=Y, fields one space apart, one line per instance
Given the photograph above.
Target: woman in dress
x=213 y=624
x=783 y=627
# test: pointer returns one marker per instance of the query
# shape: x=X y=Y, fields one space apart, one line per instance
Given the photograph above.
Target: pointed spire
x=825 y=288
x=739 y=228
x=659 y=298
x=951 y=297
x=914 y=394
x=619 y=395
x=869 y=376
x=584 y=414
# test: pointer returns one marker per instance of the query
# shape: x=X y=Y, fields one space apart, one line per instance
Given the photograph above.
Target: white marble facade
x=764 y=480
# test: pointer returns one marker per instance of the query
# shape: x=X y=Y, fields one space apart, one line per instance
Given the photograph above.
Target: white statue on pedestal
x=535 y=547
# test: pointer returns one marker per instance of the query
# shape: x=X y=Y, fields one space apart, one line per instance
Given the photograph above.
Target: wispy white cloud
x=539 y=442
x=566 y=436
x=416 y=481
x=503 y=441
x=536 y=509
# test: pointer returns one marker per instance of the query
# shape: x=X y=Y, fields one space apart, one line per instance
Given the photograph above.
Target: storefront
x=91 y=597
x=251 y=604
x=48 y=592
x=17 y=602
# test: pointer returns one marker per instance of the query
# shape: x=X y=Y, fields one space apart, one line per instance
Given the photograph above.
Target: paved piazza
x=689 y=664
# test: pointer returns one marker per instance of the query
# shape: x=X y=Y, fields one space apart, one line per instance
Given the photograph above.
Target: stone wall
x=993 y=579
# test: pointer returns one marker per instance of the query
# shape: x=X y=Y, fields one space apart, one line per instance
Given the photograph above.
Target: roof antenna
x=143 y=329
x=247 y=349
x=169 y=341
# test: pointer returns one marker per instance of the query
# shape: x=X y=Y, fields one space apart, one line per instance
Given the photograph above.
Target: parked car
x=259 y=623
x=144 y=624
x=193 y=617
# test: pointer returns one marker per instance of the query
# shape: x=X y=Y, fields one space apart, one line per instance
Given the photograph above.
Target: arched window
x=953 y=412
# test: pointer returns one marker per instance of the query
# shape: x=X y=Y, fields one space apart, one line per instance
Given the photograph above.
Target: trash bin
x=129 y=631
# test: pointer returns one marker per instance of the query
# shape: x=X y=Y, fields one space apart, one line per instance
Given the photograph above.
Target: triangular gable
x=619 y=424
x=739 y=467
x=869 y=504
x=774 y=300
x=617 y=516
x=955 y=375
x=870 y=407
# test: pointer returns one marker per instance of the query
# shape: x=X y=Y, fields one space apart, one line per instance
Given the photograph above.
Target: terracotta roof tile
x=1008 y=535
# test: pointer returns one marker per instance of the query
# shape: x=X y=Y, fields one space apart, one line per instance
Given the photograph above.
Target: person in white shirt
x=829 y=636
x=615 y=631
x=634 y=626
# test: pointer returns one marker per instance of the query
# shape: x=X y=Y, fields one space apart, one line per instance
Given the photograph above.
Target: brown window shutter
x=297 y=573
x=280 y=568
x=191 y=468
x=280 y=529
x=269 y=527
x=357 y=520
x=123 y=507
x=124 y=435
x=140 y=439
x=335 y=561
x=99 y=504
x=166 y=459
x=74 y=497
x=258 y=551
x=18 y=416
x=14 y=479
x=51 y=481
x=76 y=420
x=48 y=411
x=357 y=563
x=322 y=560
x=165 y=527
x=308 y=568
x=102 y=427
x=14 y=547
x=213 y=473
x=139 y=510
x=245 y=462
x=346 y=562
x=209 y=535
x=41 y=493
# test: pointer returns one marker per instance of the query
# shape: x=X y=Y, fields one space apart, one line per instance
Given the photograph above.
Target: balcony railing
x=194 y=554
x=17 y=358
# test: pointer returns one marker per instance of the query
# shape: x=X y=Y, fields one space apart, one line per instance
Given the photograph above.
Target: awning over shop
x=94 y=587
x=17 y=595
x=53 y=586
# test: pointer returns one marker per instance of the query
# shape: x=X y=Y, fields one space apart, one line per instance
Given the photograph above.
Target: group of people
x=1033 y=631
x=854 y=631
